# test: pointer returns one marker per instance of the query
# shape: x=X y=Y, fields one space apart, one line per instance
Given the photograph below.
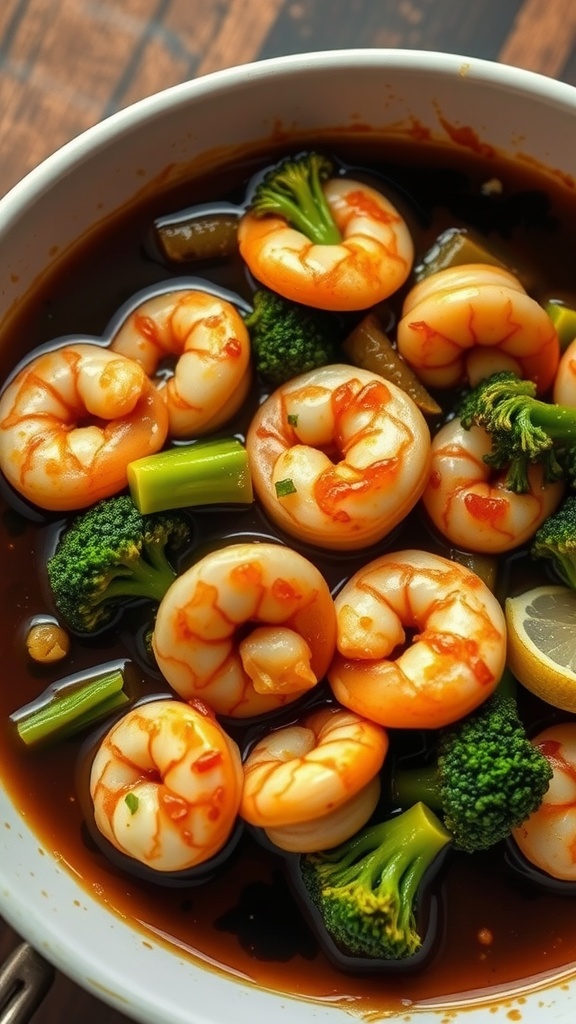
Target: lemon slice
x=542 y=643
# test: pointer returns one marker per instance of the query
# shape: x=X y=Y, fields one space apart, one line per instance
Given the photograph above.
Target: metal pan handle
x=25 y=978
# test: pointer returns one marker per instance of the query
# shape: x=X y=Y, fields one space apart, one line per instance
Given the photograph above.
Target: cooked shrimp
x=210 y=342
x=465 y=323
x=468 y=501
x=448 y=667
x=548 y=838
x=72 y=420
x=564 y=391
x=247 y=629
x=166 y=784
x=372 y=260
x=313 y=784
x=338 y=456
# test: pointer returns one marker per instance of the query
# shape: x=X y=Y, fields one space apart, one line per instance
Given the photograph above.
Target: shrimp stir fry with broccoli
x=313 y=664
x=324 y=241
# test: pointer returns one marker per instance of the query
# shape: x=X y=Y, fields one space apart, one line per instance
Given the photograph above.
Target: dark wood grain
x=66 y=64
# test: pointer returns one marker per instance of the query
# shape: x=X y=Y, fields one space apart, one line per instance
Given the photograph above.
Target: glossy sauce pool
x=496 y=932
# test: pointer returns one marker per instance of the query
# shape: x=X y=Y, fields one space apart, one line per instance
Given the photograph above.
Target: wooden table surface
x=67 y=64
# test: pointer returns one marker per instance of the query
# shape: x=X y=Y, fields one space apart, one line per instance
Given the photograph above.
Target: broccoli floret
x=109 y=554
x=523 y=429
x=366 y=889
x=288 y=338
x=487 y=777
x=556 y=541
x=293 y=190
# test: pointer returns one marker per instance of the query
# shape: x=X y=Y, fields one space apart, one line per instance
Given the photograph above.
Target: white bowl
x=90 y=178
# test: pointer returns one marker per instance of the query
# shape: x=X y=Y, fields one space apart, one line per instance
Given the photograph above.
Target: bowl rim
x=23 y=913
x=442 y=64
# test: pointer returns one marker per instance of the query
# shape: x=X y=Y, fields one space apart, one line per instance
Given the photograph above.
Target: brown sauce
x=496 y=932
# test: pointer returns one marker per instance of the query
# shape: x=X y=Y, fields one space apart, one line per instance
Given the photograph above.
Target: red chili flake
x=233 y=348
x=174 y=806
x=552 y=751
x=201 y=707
x=423 y=328
x=147 y=327
x=282 y=590
x=463 y=650
x=214 y=811
x=248 y=574
x=208 y=760
x=487 y=510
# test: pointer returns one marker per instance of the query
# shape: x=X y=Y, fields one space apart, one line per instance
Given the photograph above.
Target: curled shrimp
x=210 y=342
x=371 y=262
x=313 y=784
x=469 y=503
x=247 y=629
x=166 y=784
x=465 y=323
x=448 y=667
x=564 y=390
x=548 y=837
x=72 y=420
x=338 y=456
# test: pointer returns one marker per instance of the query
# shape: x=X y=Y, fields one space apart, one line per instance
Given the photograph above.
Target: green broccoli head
x=111 y=554
x=487 y=777
x=293 y=190
x=555 y=541
x=523 y=429
x=366 y=889
x=288 y=338
x=491 y=777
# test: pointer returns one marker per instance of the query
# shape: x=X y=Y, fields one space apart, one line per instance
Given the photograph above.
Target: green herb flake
x=292 y=419
x=132 y=802
x=285 y=487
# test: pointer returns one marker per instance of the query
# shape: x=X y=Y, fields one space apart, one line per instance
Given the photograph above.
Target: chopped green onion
x=293 y=419
x=70 y=705
x=132 y=802
x=285 y=487
x=214 y=472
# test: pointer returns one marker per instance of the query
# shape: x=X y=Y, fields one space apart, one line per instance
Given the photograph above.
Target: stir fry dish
x=299 y=516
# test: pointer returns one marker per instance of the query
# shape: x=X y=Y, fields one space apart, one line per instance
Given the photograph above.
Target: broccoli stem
x=400 y=849
x=294 y=190
x=204 y=473
x=68 y=706
x=558 y=421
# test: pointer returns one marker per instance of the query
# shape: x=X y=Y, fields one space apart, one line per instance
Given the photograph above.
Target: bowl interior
x=431 y=97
